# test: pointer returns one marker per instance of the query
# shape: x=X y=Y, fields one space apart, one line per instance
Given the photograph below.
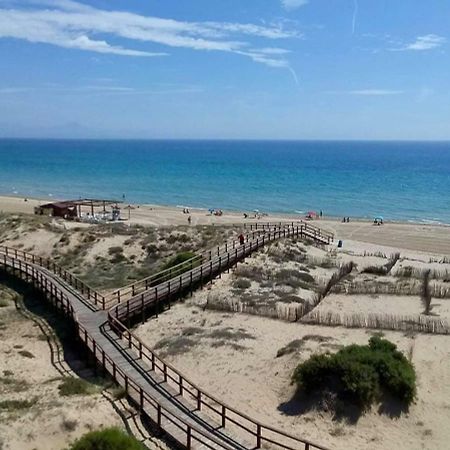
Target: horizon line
x=220 y=139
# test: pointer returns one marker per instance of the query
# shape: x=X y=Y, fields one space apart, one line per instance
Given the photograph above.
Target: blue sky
x=258 y=69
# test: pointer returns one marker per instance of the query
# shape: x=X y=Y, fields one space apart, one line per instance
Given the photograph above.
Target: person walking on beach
x=189 y=220
x=241 y=239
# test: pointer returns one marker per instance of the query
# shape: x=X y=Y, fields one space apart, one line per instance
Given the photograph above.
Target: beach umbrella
x=129 y=207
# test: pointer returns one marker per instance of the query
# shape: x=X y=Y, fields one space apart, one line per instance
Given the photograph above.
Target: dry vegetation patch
x=107 y=256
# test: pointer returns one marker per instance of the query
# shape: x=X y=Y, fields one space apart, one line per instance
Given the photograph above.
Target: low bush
x=294 y=278
x=15 y=405
x=75 y=386
x=179 y=259
x=242 y=283
x=107 y=439
x=360 y=373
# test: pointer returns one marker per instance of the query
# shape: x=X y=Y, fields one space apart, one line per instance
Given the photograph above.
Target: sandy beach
x=427 y=238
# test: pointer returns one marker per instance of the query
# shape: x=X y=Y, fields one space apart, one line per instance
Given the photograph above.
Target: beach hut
x=64 y=209
x=72 y=209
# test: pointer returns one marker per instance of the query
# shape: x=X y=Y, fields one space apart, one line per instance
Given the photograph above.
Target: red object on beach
x=312 y=215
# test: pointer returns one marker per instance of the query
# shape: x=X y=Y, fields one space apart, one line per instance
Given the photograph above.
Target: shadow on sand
x=68 y=356
x=342 y=410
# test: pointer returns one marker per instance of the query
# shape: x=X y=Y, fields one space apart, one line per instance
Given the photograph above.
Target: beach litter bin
x=340 y=243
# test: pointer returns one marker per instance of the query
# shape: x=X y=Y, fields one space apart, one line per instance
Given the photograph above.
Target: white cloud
x=293 y=4
x=101 y=90
x=273 y=51
x=70 y=24
x=368 y=92
x=427 y=42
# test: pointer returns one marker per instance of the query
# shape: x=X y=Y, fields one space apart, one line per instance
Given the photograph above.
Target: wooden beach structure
x=187 y=414
x=73 y=209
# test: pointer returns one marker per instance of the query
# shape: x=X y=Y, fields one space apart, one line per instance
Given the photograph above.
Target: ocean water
x=399 y=180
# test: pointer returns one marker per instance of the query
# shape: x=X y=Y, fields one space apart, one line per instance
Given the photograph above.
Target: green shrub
x=242 y=283
x=115 y=250
x=107 y=439
x=294 y=278
x=75 y=386
x=360 y=373
x=179 y=259
x=15 y=405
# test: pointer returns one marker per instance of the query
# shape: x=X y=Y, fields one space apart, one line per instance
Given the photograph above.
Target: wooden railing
x=258 y=432
x=226 y=415
x=148 y=406
x=130 y=291
x=127 y=292
x=321 y=235
x=97 y=299
x=200 y=274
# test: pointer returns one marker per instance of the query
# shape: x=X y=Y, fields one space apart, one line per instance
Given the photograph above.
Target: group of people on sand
x=345 y=219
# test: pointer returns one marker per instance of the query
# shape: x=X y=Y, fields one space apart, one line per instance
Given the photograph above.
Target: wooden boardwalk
x=188 y=415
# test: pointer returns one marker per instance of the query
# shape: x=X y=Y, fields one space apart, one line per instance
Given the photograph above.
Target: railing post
x=258 y=436
x=199 y=399
x=188 y=438
x=223 y=416
x=159 y=415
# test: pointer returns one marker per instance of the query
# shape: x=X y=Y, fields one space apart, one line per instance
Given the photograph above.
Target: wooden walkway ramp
x=190 y=416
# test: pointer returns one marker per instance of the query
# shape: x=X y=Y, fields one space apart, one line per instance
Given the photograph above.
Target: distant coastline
x=19 y=200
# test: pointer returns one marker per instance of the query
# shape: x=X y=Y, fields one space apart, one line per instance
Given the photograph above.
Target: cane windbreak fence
x=248 y=433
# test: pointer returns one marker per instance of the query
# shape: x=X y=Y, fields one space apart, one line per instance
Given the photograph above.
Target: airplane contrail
x=355 y=16
x=294 y=75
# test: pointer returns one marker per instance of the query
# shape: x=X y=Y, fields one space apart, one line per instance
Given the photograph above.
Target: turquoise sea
x=399 y=180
